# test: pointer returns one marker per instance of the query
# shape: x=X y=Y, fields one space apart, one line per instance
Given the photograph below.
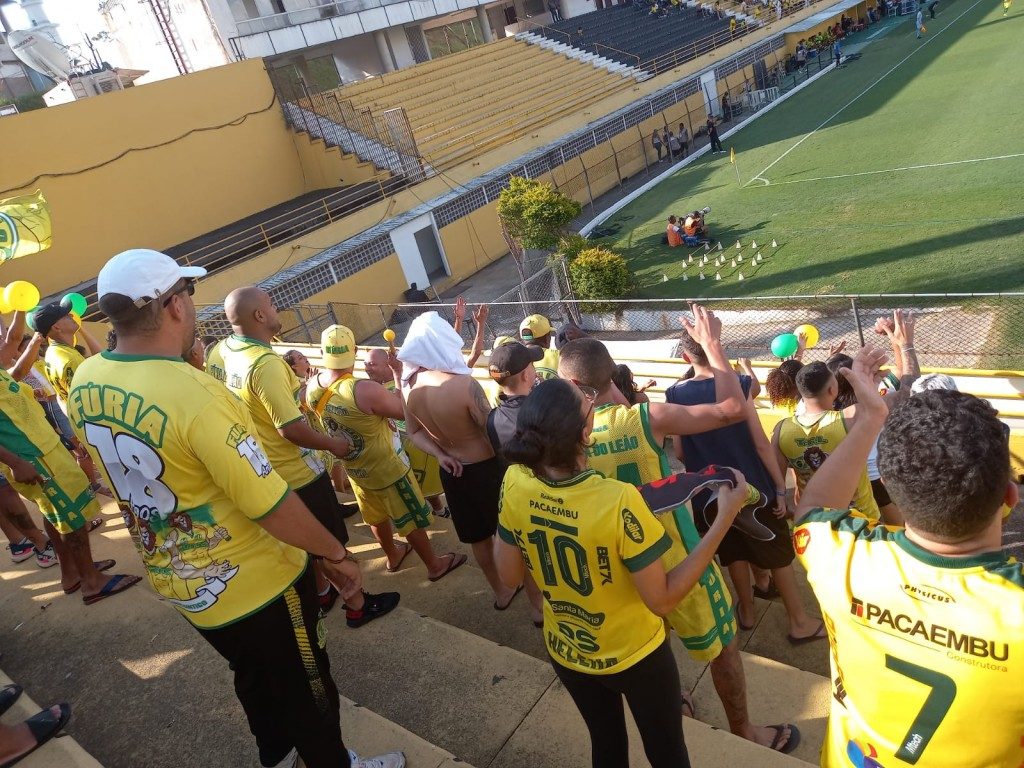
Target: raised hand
x=705 y=328
x=863 y=377
x=460 y=309
x=901 y=332
x=480 y=315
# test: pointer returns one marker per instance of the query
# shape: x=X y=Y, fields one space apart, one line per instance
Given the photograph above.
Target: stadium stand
x=631 y=35
x=460 y=106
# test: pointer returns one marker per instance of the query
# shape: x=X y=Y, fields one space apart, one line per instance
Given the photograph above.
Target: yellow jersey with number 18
x=179 y=453
x=581 y=538
x=270 y=390
x=927 y=652
x=806 y=441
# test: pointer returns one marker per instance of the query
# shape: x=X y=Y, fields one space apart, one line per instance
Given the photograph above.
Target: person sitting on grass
x=673 y=233
x=695 y=227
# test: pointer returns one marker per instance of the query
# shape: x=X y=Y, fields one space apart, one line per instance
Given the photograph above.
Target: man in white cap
x=362 y=411
x=270 y=390
x=445 y=401
x=535 y=331
x=222 y=537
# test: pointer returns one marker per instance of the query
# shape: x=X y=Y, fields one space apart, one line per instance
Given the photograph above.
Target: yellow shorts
x=425 y=467
x=704 y=619
x=401 y=502
x=64 y=499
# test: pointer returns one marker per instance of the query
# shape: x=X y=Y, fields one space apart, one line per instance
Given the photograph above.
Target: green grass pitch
x=902 y=172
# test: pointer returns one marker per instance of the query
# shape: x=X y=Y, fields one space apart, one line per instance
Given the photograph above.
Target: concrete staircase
x=445 y=678
x=601 y=62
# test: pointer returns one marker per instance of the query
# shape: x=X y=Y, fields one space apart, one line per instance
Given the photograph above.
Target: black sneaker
x=374 y=607
x=328 y=599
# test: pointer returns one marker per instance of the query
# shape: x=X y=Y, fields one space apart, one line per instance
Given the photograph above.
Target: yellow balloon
x=21 y=295
x=810 y=332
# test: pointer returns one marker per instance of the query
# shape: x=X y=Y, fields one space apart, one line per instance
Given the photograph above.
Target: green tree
x=533 y=215
x=598 y=273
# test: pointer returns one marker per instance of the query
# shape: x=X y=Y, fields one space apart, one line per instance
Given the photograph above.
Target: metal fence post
x=590 y=192
x=856 y=317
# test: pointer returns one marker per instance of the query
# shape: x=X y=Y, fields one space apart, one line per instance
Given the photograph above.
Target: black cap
x=47 y=316
x=512 y=358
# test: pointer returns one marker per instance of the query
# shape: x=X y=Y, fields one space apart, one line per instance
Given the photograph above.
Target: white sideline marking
x=891 y=170
x=835 y=114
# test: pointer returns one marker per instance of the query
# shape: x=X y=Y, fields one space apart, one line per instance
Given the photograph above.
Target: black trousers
x=652 y=690
x=283 y=678
x=716 y=144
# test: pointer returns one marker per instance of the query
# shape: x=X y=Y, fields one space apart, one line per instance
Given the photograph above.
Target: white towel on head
x=431 y=345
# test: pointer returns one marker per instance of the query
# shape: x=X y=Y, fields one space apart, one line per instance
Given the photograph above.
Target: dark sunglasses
x=189 y=287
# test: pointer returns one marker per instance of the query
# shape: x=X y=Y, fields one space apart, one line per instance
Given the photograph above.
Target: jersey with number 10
x=180 y=455
x=927 y=651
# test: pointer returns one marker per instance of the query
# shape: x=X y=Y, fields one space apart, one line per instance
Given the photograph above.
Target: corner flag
x=732 y=155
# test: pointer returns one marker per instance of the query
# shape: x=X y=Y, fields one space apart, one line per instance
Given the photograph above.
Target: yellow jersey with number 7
x=927 y=652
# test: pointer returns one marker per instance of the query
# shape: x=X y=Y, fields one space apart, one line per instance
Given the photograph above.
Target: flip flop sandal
x=741 y=624
x=457 y=560
x=95 y=523
x=767 y=594
x=44 y=726
x=8 y=695
x=506 y=605
x=688 y=709
x=405 y=554
x=117 y=584
x=818 y=634
x=102 y=565
x=792 y=743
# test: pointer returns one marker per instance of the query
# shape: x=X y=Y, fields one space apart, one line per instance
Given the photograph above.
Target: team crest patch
x=801 y=538
x=633 y=528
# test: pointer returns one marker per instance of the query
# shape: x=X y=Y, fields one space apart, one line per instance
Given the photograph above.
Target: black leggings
x=652 y=690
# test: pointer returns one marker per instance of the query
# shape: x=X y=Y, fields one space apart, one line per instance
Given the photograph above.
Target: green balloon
x=785 y=345
x=77 y=302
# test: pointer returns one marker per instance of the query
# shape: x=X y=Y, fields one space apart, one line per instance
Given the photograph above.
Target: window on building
x=455 y=37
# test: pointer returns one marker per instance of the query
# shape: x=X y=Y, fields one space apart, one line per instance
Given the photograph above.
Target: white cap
x=142 y=275
x=933 y=381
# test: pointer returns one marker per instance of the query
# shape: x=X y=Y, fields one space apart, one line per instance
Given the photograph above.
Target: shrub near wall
x=598 y=273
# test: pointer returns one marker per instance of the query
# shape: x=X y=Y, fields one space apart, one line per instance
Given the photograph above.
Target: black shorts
x=736 y=546
x=319 y=496
x=880 y=493
x=473 y=499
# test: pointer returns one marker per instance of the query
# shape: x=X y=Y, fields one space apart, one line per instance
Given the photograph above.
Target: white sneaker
x=390 y=760
x=290 y=760
x=47 y=558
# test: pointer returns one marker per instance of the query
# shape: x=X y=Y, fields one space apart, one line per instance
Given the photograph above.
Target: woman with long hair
x=594 y=547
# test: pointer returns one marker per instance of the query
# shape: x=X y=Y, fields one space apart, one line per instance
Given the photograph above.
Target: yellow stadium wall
x=156 y=197
x=324 y=166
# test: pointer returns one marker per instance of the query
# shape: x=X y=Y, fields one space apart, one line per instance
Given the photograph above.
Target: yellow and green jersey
x=24 y=429
x=270 y=390
x=807 y=440
x=623 y=446
x=581 y=539
x=215 y=362
x=927 y=652
x=547 y=367
x=181 y=456
x=374 y=461
x=59 y=364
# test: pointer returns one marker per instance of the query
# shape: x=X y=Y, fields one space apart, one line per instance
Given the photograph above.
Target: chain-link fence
x=952 y=331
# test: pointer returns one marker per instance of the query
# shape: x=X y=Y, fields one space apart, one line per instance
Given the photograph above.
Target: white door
x=709 y=86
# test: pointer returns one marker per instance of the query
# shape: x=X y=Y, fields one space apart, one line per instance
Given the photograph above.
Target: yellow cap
x=502 y=341
x=534 y=327
x=338 y=348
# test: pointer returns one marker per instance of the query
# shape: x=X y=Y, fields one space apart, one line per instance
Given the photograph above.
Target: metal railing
x=599 y=46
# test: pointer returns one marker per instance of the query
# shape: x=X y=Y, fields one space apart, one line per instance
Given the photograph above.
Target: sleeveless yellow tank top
x=374 y=460
x=806 y=441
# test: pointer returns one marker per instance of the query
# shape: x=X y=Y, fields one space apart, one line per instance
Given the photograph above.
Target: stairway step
x=555 y=720
x=369 y=734
x=62 y=752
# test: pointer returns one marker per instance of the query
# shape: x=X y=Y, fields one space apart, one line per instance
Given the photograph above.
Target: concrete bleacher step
x=777 y=692
x=588 y=57
x=59 y=752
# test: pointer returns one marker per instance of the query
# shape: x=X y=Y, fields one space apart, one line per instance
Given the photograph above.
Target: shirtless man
x=452 y=408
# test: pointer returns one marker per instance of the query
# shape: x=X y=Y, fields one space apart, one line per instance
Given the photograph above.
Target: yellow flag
x=732 y=155
x=24 y=226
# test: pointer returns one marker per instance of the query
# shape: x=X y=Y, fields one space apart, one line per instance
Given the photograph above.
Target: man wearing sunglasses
x=222 y=537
